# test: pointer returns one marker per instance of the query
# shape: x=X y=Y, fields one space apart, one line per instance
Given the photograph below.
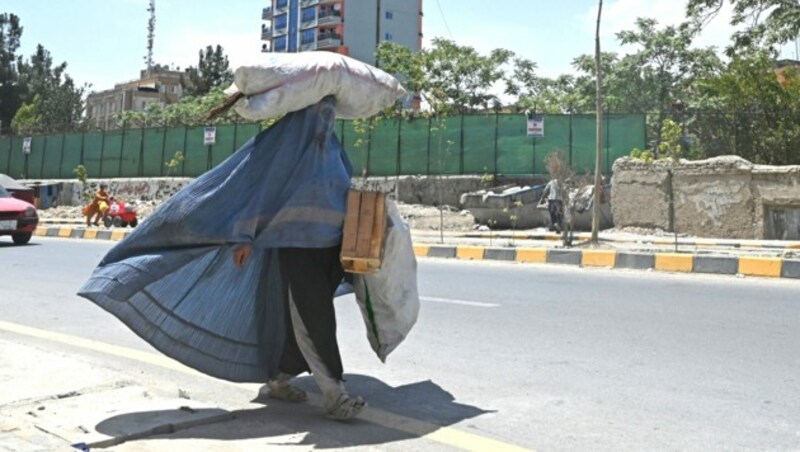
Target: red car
x=17 y=218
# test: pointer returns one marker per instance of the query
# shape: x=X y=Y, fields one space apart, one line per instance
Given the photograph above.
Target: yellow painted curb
x=421 y=250
x=794 y=246
x=117 y=235
x=674 y=262
x=469 y=252
x=599 y=258
x=532 y=255
x=64 y=232
x=40 y=231
x=760 y=266
x=663 y=242
x=90 y=234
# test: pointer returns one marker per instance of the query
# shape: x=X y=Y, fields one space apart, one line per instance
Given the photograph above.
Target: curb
x=768 y=267
x=663 y=262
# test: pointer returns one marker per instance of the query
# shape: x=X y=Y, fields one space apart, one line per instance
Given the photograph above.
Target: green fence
x=470 y=144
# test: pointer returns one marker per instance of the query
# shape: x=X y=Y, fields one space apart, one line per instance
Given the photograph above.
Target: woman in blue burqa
x=235 y=274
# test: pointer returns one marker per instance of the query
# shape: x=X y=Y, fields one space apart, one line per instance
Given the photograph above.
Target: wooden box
x=364 y=231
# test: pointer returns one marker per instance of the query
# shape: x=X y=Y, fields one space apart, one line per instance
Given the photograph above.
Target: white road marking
x=476 y=304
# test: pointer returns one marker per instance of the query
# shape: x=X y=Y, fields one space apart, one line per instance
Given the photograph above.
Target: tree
x=456 y=78
x=771 y=21
x=751 y=114
x=190 y=110
x=10 y=34
x=56 y=99
x=212 y=71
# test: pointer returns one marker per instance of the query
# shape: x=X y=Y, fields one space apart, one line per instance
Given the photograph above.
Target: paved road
x=543 y=357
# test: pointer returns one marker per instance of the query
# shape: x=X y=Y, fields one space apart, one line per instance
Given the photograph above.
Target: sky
x=104 y=42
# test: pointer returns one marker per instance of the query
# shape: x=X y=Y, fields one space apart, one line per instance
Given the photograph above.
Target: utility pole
x=596 y=196
x=151 y=35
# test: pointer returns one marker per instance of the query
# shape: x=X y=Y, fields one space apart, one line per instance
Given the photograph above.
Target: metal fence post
x=186 y=151
x=496 y=129
x=163 y=151
x=61 y=160
x=235 y=136
x=428 y=168
x=44 y=155
x=121 y=153
x=102 y=152
x=570 y=137
x=10 y=151
x=461 y=146
x=83 y=137
x=399 y=138
x=141 y=155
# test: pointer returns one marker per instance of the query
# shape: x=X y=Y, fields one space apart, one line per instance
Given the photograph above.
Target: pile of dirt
x=417 y=216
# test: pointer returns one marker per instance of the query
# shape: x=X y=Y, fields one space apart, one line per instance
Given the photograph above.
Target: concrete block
x=421 y=250
x=638 y=261
x=791 y=269
x=568 y=257
x=674 y=262
x=532 y=255
x=760 y=266
x=470 y=252
x=77 y=233
x=500 y=254
x=53 y=232
x=721 y=265
x=442 y=251
x=103 y=235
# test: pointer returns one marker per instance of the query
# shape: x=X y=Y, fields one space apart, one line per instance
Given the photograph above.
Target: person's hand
x=241 y=254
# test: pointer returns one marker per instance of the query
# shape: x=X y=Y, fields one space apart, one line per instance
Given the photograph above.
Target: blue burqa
x=173 y=281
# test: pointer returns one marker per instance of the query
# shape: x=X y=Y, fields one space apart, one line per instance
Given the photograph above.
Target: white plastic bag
x=292 y=81
x=389 y=299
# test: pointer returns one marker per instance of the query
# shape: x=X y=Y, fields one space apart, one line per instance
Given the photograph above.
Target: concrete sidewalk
x=62 y=392
x=758 y=258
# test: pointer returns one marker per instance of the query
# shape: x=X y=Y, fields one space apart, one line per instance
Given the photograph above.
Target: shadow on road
x=394 y=414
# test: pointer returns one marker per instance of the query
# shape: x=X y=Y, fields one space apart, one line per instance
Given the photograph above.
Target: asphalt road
x=543 y=357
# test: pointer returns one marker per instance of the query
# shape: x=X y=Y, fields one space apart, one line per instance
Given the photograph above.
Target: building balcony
x=328 y=2
x=328 y=40
x=280 y=31
x=265 y=48
x=330 y=18
x=304 y=3
x=266 y=33
x=308 y=46
x=308 y=23
x=266 y=13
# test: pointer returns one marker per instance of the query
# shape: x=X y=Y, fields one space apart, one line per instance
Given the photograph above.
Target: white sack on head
x=292 y=81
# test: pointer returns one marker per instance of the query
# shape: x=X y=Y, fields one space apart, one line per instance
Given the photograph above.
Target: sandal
x=345 y=408
x=283 y=391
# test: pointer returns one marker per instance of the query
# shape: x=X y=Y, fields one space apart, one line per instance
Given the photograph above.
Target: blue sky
x=104 y=41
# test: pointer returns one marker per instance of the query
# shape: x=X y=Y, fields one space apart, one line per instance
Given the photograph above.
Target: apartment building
x=158 y=85
x=350 y=27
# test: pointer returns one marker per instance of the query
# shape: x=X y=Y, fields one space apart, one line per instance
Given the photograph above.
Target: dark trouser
x=311 y=275
x=556 y=209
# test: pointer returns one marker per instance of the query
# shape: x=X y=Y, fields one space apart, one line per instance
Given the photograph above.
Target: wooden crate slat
x=365 y=221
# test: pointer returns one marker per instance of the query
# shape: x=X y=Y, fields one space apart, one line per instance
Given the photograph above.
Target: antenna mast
x=151 y=34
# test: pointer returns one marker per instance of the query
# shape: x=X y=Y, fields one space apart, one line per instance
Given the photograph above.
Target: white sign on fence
x=535 y=125
x=210 y=136
x=26 y=145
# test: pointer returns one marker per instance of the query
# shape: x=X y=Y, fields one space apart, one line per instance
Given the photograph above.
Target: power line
x=444 y=19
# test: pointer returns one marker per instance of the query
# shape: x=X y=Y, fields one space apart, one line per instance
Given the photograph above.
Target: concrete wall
x=720 y=197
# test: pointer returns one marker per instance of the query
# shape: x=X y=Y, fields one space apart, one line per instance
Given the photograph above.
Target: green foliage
x=450 y=77
x=771 y=22
x=27 y=119
x=173 y=164
x=212 y=71
x=10 y=98
x=190 y=110
x=82 y=175
x=758 y=118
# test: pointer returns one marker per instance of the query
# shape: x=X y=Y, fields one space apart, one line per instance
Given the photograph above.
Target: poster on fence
x=210 y=136
x=535 y=125
x=26 y=145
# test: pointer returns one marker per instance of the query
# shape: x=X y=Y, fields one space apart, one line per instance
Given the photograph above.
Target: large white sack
x=292 y=81
x=389 y=299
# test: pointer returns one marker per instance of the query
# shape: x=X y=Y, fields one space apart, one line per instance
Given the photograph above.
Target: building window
x=389 y=15
x=280 y=21
x=281 y=3
x=309 y=14
x=308 y=37
x=280 y=44
x=388 y=36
